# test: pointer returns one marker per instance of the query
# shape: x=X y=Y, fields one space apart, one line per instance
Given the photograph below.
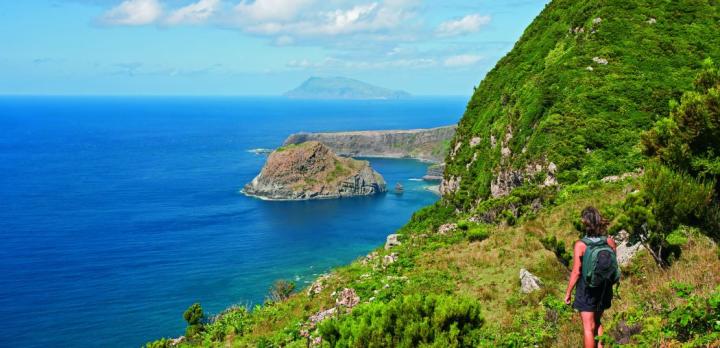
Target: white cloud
x=462 y=60
x=133 y=12
x=307 y=19
x=271 y=10
x=195 y=13
x=465 y=25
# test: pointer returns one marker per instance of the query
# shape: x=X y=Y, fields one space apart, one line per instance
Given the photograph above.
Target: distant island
x=342 y=88
x=312 y=171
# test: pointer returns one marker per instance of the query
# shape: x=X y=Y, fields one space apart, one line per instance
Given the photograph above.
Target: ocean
x=117 y=213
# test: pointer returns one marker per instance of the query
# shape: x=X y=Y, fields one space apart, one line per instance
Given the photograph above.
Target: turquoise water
x=118 y=213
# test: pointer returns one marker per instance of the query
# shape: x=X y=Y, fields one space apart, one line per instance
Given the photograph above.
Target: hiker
x=595 y=271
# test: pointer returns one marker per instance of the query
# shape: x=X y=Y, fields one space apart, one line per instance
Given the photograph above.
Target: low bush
x=557 y=247
x=280 y=290
x=478 y=234
x=409 y=321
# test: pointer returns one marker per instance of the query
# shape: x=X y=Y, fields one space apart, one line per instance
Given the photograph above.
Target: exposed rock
x=311 y=171
x=597 y=21
x=390 y=259
x=455 y=150
x=493 y=141
x=448 y=186
x=474 y=158
x=434 y=172
x=422 y=144
x=651 y=21
x=322 y=315
x=176 y=341
x=616 y=178
x=391 y=241
x=318 y=285
x=475 y=141
x=625 y=250
x=447 y=228
x=550 y=179
x=348 y=298
x=529 y=282
x=504 y=182
x=601 y=61
x=589 y=68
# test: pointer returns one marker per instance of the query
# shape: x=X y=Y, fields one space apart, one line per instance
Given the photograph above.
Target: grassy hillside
x=479 y=264
x=568 y=106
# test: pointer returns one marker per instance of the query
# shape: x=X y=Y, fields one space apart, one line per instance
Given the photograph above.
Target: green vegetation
x=454 y=279
x=587 y=122
x=194 y=316
x=281 y=290
x=408 y=321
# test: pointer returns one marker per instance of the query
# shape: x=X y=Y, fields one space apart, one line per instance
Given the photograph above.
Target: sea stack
x=311 y=170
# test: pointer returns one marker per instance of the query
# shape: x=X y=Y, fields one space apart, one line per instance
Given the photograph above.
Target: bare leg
x=598 y=322
x=589 y=328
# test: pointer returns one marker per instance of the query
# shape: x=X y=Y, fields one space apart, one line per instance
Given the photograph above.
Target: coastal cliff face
x=423 y=144
x=311 y=170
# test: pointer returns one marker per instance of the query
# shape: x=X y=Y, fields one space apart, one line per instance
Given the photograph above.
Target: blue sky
x=244 y=47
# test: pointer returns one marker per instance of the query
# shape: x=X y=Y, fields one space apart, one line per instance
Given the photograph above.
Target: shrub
x=231 y=322
x=161 y=343
x=557 y=247
x=281 y=290
x=478 y=234
x=697 y=321
x=409 y=321
x=667 y=201
x=194 y=317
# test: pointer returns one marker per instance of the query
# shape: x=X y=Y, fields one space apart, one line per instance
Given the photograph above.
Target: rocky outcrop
x=529 y=282
x=312 y=171
x=423 y=144
x=434 y=172
x=392 y=240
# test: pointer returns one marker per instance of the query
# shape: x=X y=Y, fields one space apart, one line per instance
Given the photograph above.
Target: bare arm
x=575 y=274
x=612 y=244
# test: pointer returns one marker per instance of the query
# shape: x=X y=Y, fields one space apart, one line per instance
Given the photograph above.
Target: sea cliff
x=424 y=144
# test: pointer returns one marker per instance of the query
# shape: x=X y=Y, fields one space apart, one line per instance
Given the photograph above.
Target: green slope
x=586 y=122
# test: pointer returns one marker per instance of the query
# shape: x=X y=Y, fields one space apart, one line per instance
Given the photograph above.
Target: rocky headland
x=311 y=170
x=423 y=144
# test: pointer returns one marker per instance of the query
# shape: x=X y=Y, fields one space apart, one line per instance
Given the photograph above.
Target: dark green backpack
x=599 y=264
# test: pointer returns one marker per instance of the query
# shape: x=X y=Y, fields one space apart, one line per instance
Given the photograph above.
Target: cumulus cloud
x=462 y=60
x=271 y=10
x=195 y=13
x=133 y=12
x=465 y=25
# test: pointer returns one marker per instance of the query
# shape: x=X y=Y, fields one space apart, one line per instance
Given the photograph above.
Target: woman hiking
x=594 y=272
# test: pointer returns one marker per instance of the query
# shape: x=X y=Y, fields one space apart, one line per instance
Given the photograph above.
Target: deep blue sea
x=117 y=213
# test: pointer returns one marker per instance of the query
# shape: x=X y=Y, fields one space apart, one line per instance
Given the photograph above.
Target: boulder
x=391 y=241
x=447 y=228
x=348 y=298
x=625 y=250
x=529 y=282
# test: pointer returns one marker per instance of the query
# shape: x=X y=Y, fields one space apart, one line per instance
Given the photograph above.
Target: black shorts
x=589 y=299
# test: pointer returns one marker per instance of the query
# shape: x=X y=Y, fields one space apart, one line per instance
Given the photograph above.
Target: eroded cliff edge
x=423 y=144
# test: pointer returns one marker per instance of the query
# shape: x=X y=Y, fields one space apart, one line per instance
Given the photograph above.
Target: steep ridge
x=569 y=102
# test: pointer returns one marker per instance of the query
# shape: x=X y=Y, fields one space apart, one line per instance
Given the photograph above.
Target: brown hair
x=595 y=224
